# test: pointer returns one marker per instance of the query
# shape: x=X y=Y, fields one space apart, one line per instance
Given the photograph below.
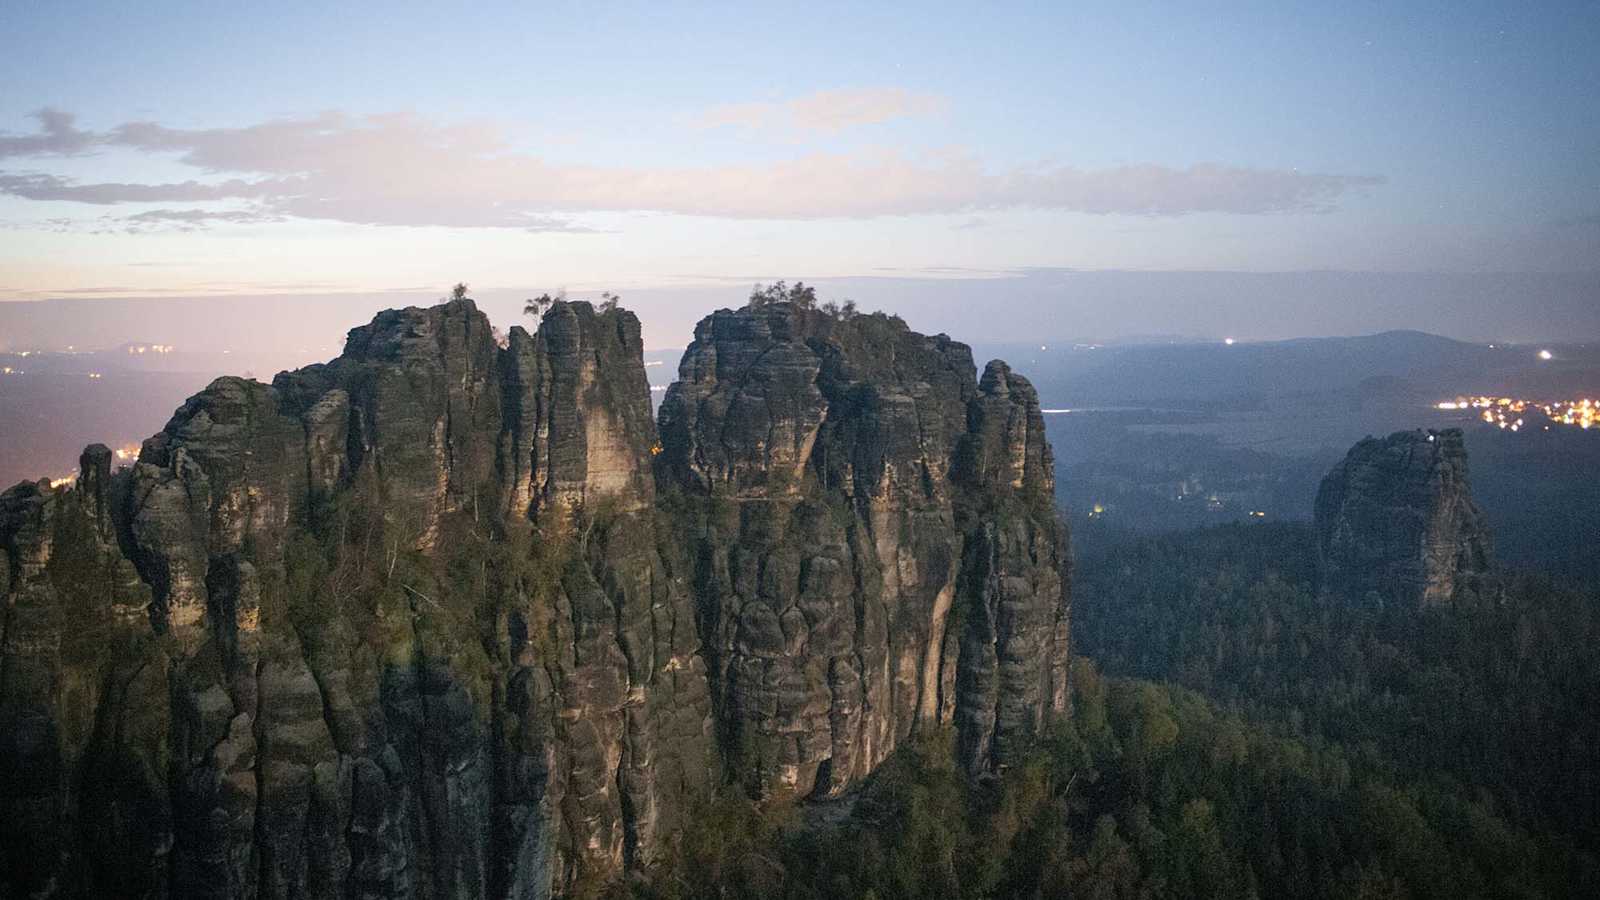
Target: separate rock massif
x=452 y=618
x=1396 y=521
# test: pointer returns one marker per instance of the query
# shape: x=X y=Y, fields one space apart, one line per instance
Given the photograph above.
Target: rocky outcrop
x=82 y=683
x=876 y=543
x=1396 y=521
x=451 y=618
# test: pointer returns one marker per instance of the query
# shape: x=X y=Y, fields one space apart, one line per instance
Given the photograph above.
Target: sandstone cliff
x=1396 y=520
x=447 y=618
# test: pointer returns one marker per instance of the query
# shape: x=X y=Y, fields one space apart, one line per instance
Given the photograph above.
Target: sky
x=190 y=150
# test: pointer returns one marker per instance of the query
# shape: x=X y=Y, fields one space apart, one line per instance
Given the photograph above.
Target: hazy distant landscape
x=1168 y=437
x=1160 y=435
x=638 y=451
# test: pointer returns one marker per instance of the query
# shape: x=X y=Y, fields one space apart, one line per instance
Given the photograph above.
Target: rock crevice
x=451 y=618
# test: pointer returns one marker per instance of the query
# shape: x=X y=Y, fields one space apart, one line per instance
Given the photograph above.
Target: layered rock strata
x=454 y=617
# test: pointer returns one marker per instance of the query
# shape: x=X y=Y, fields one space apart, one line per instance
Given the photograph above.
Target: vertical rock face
x=80 y=687
x=876 y=545
x=442 y=618
x=1396 y=519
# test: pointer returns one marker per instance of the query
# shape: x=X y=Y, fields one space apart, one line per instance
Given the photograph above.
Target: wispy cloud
x=39 y=186
x=404 y=170
x=154 y=220
x=57 y=137
x=194 y=219
x=828 y=112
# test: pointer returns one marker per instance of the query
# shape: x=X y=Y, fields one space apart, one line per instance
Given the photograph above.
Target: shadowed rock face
x=876 y=543
x=451 y=618
x=1396 y=520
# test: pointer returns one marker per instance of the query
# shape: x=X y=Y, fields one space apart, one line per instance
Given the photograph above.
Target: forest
x=1233 y=734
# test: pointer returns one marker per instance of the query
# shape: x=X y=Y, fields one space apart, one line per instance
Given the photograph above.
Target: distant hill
x=1209 y=375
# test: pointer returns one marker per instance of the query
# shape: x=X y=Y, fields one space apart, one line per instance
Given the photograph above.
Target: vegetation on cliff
x=1149 y=790
x=1260 y=734
x=450 y=616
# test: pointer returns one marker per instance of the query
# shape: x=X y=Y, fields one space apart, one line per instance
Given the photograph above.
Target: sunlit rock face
x=450 y=616
x=1396 y=521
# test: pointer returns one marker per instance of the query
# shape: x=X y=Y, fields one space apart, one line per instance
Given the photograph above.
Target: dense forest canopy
x=1233 y=734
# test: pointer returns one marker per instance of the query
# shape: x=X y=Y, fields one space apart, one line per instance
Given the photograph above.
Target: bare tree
x=459 y=292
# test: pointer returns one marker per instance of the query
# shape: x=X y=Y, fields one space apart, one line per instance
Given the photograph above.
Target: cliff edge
x=452 y=616
x=1396 y=519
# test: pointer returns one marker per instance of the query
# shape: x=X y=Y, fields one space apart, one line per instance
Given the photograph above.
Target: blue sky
x=286 y=147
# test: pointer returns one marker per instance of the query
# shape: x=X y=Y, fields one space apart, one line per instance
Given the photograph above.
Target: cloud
x=153 y=220
x=193 y=219
x=826 y=111
x=404 y=170
x=36 y=186
x=57 y=137
x=59 y=224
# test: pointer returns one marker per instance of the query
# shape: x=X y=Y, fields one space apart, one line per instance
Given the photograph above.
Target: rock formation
x=857 y=486
x=1396 y=520
x=447 y=618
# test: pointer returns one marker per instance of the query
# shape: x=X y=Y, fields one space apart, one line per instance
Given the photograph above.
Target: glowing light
x=1228 y=341
x=1546 y=355
x=127 y=451
x=1508 y=412
x=63 y=481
